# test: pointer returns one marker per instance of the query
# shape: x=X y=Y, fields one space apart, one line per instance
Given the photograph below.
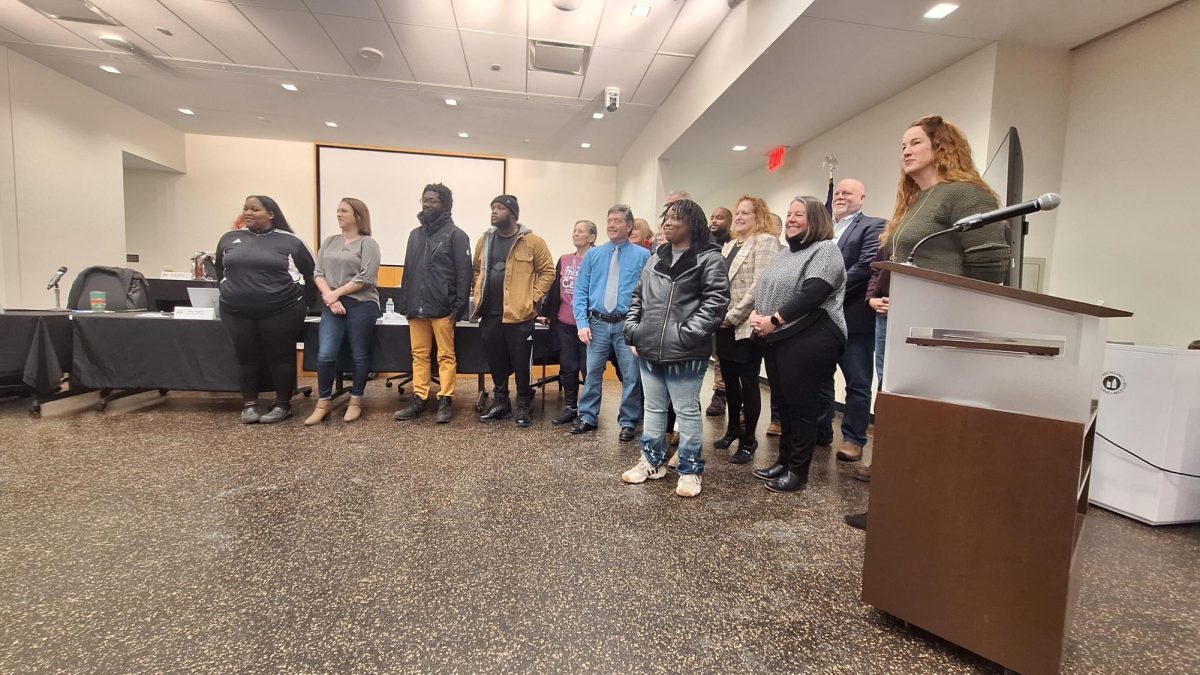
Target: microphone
x=58 y=275
x=1047 y=202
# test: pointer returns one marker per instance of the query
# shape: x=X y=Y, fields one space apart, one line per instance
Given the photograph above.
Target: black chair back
x=124 y=289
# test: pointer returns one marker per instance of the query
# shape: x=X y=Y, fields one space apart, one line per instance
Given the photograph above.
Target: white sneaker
x=674 y=463
x=642 y=471
x=688 y=485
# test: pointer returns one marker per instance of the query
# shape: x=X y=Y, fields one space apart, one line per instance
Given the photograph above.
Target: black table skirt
x=35 y=348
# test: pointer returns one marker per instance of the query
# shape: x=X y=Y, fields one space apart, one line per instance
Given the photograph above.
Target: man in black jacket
x=680 y=300
x=433 y=295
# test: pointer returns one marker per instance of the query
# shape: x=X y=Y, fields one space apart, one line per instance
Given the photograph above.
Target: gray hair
x=591 y=227
x=679 y=194
x=624 y=210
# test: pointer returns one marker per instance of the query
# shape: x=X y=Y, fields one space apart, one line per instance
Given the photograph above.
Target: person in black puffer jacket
x=680 y=300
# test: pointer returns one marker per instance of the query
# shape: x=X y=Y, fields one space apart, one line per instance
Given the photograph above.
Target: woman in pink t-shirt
x=558 y=312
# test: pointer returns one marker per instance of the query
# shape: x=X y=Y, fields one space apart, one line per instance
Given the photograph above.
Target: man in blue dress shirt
x=602 y=294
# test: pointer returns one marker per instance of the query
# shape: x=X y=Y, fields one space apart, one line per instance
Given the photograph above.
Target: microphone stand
x=57 y=297
x=913 y=254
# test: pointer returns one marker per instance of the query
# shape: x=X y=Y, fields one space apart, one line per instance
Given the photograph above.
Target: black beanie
x=509 y=202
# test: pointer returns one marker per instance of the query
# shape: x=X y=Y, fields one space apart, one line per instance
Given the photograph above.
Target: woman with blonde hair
x=346 y=274
x=641 y=234
x=750 y=251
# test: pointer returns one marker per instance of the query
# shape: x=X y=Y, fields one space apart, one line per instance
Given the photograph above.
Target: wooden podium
x=979 y=485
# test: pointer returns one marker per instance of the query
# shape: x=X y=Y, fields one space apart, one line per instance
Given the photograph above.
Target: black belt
x=607 y=318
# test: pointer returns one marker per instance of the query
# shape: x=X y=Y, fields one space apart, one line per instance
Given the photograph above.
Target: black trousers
x=572 y=362
x=797 y=367
x=266 y=342
x=509 y=351
x=743 y=394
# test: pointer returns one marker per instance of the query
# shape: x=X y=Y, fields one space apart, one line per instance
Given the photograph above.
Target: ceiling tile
x=435 y=55
x=492 y=16
x=300 y=38
x=350 y=35
x=36 y=28
x=485 y=49
x=695 y=24
x=615 y=68
x=361 y=9
x=660 y=79
x=9 y=36
x=553 y=84
x=93 y=33
x=436 y=13
x=142 y=17
x=578 y=27
x=225 y=27
x=274 y=4
x=619 y=28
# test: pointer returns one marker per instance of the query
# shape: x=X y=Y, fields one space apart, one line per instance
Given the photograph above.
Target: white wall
x=1127 y=232
x=68 y=175
x=555 y=195
x=149 y=221
x=10 y=253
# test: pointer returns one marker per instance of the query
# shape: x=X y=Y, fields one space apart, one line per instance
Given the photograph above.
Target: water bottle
x=390 y=307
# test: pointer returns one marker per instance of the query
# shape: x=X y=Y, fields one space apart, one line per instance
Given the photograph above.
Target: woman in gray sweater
x=798 y=314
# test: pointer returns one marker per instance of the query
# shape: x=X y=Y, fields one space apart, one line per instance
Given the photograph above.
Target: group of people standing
x=805 y=307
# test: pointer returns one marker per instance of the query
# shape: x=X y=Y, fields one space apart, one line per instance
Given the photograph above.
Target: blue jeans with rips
x=607 y=338
x=674 y=384
x=354 y=329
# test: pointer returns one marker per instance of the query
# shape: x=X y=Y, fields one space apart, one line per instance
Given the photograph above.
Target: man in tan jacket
x=513 y=272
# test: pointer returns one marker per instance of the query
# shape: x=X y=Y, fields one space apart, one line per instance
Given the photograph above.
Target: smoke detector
x=567 y=5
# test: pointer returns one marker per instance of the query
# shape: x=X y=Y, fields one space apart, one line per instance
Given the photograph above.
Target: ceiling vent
x=558 y=57
x=72 y=10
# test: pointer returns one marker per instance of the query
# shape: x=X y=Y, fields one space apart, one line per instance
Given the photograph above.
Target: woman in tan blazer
x=750 y=251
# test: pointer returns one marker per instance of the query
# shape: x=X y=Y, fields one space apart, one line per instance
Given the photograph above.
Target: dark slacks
x=740 y=362
x=572 y=362
x=797 y=367
x=856 y=364
x=270 y=342
x=509 y=352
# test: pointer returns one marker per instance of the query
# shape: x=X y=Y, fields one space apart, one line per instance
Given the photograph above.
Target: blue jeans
x=607 y=339
x=354 y=330
x=880 y=343
x=856 y=369
x=673 y=384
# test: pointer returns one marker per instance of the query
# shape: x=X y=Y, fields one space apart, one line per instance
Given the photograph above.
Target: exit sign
x=775 y=159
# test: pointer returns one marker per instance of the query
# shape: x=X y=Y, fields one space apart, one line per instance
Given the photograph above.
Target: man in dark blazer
x=857 y=236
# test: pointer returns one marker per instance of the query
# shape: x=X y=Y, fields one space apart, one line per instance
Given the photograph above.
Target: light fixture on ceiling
x=81 y=11
x=332 y=125
x=289 y=86
x=941 y=10
x=186 y=111
x=451 y=102
x=739 y=148
x=110 y=69
x=463 y=134
x=496 y=67
x=641 y=10
x=370 y=54
x=117 y=42
x=164 y=31
x=567 y=5
x=597 y=115
x=585 y=146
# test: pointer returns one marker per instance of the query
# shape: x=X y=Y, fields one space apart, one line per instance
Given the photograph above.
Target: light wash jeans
x=673 y=384
x=607 y=338
x=880 y=343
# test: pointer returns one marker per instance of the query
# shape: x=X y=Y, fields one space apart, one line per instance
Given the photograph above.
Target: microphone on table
x=1047 y=202
x=58 y=275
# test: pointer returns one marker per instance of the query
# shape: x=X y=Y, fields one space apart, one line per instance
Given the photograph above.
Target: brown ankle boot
x=324 y=405
x=354 y=410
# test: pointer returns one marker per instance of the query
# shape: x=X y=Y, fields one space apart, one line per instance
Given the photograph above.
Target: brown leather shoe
x=862 y=472
x=673 y=438
x=850 y=452
x=774 y=429
x=354 y=410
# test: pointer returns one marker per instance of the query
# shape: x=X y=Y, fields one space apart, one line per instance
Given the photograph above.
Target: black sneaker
x=413 y=410
x=500 y=410
x=582 y=426
x=445 y=410
x=568 y=415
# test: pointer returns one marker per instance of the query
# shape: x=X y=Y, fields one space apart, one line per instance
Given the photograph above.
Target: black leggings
x=742 y=392
x=508 y=352
x=266 y=342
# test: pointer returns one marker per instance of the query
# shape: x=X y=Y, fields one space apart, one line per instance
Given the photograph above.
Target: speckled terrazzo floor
x=162 y=536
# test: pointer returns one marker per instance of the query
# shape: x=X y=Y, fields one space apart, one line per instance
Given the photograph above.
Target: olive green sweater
x=979 y=254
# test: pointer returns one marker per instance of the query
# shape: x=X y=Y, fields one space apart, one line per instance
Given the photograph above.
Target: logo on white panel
x=1112 y=382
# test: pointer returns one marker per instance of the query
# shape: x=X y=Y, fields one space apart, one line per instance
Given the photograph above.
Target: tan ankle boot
x=354 y=410
x=318 y=414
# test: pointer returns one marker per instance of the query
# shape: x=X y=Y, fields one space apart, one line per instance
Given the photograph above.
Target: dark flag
x=829 y=197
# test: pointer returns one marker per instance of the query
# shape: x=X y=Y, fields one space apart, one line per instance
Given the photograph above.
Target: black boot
x=774 y=471
x=501 y=409
x=523 y=418
x=445 y=411
x=745 y=452
x=413 y=410
x=732 y=434
x=568 y=415
x=790 y=481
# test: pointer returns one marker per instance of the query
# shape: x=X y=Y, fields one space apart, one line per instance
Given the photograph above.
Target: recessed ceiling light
x=186 y=111
x=331 y=124
x=451 y=101
x=164 y=31
x=110 y=69
x=289 y=86
x=641 y=10
x=941 y=10
x=585 y=146
x=463 y=134
x=597 y=116
x=739 y=148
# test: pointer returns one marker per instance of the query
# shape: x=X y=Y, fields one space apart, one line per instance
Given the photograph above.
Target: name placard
x=195 y=313
x=181 y=276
